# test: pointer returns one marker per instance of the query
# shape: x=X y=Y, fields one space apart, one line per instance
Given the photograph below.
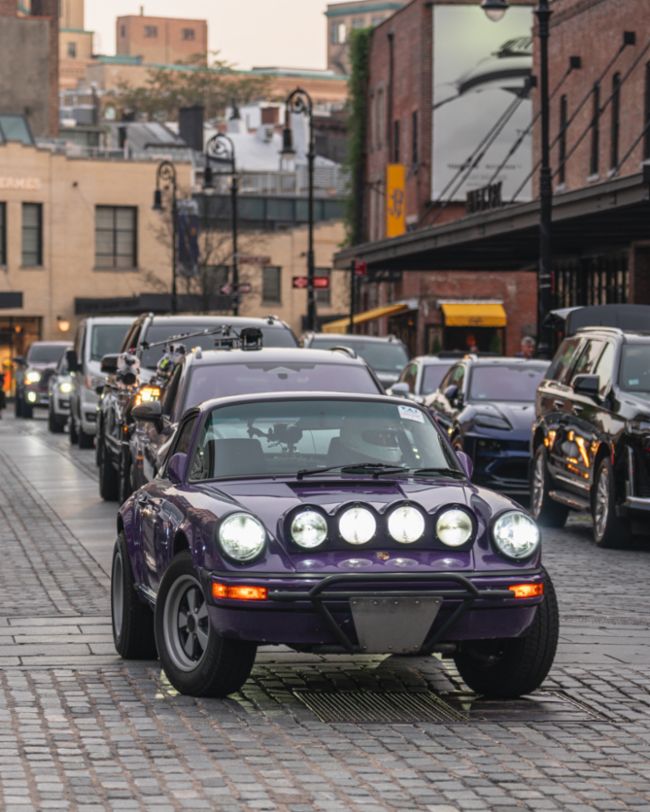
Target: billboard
x=481 y=103
x=395 y=200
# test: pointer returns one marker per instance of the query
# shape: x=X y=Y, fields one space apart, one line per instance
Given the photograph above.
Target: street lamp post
x=220 y=148
x=166 y=180
x=495 y=9
x=300 y=102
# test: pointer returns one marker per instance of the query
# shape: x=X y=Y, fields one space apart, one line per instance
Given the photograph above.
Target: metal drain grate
x=396 y=707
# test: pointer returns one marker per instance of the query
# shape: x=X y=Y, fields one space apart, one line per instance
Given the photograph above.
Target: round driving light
x=65 y=387
x=515 y=534
x=406 y=524
x=454 y=527
x=33 y=376
x=309 y=529
x=31 y=397
x=242 y=536
x=357 y=525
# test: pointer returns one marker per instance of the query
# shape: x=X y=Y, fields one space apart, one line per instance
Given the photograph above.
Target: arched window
x=561 y=144
x=616 y=121
x=595 y=131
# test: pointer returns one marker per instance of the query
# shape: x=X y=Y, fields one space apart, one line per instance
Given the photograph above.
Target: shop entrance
x=16 y=335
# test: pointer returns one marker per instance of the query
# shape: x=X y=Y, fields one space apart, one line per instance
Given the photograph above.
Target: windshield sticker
x=633 y=382
x=411 y=413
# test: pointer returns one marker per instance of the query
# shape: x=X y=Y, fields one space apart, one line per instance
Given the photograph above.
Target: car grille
x=511 y=469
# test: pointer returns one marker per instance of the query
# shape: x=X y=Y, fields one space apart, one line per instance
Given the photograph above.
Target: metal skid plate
x=393 y=625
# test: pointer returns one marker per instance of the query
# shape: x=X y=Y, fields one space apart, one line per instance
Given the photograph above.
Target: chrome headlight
x=65 y=387
x=406 y=524
x=454 y=527
x=357 y=525
x=309 y=529
x=242 y=536
x=33 y=376
x=515 y=534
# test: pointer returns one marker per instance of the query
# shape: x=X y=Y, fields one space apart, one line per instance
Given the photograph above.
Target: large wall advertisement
x=481 y=101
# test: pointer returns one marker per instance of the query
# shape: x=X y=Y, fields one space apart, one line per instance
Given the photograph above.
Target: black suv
x=136 y=364
x=591 y=436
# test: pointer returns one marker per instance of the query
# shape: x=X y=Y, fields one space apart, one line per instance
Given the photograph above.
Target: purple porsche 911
x=328 y=523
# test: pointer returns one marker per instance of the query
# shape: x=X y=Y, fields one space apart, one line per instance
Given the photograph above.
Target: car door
x=159 y=515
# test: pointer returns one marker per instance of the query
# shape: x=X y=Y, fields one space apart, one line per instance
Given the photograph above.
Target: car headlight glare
x=515 y=534
x=309 y=529
x=357 y=525
x=454 y=527
x=33 y=376
x=406 y=524
x=65 y=387
x=242 y=536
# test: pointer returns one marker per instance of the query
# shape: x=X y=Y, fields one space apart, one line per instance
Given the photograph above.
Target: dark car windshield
x=106 y=339
x=274 y=336
x=280 y=438
x=45 y=353
x=635 y=369
x=222 y=380
x=514 y=382
x=383 y=356
x=432 y=375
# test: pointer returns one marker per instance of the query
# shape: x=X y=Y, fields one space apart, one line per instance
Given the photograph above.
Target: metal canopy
x=600 y=217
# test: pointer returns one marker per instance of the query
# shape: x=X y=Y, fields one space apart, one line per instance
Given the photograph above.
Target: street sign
x=300 y=283
x=322 y=282
x=243 y=287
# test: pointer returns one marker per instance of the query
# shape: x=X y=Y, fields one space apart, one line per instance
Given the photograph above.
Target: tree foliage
x=166 y=89
x=360 y=40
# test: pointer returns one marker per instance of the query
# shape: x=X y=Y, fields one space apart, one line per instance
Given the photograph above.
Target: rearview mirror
x=176 y=467
x=150 y=410
x=400 y=390
x=72 y=361
x=588 y=385
x=109 y=364
x=19 y=360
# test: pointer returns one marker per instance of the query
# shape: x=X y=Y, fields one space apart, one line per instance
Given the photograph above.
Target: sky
x=287 y=33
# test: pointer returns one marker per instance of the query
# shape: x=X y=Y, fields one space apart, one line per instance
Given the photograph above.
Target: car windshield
x=282 y=438
x=382 y=356
x=635 y=370
x=45 y=353
x=515 y=382
x=432 y=375
x=273 y=336
x=222 y=380
x=106 y=339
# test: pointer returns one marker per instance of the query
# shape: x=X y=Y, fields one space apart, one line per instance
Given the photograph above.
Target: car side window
x=563 y=360
x=409 y=376
x=586 y=363
x=605 y=368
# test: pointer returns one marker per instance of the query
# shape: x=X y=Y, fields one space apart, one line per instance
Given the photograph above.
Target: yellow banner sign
x=395 y=200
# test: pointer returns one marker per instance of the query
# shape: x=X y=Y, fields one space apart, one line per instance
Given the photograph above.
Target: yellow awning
x=474 y=314
x=341 y=325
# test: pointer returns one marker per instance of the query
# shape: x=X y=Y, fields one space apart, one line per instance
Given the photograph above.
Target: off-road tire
x=74 y=436
x=131 y=619
x=544 y=510
x=506 y=669
x=55 y=423
x=609 y=530
x=85 y=440
x=108 y=479
x=223 y=667
x=18 y=407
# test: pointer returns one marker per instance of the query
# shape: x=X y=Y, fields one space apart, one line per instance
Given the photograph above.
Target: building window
x=3 y=233
x=122 y=30
x=379 y=118
x=396 y=136
x=616 y=120
x=646 y=116
x=151 y=31
x=595 y=130
x=324 y=295
x=415 y=146
x=32 y=235
x=188 y=34
x=376 y=20
x=271 y=285
x=561 y=144
x=358 y=22
x=72 y=50
x=116 y=237
x=341 y=34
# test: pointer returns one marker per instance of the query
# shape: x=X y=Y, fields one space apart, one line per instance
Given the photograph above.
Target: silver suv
x=96 y=337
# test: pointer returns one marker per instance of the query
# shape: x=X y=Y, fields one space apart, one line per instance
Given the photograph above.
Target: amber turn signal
x=239 y=593
x=527 y=590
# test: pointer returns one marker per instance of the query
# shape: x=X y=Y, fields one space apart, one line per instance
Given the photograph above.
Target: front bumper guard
x=467 y=593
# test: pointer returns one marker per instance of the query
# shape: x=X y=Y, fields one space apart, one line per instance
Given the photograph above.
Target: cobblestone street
x=80 y=729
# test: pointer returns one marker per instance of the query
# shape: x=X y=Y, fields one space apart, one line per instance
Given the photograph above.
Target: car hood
x=519 y=416
x=637 y=402
x=271 y=501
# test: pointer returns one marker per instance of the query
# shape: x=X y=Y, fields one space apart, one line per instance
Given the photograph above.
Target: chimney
x=190 y=126
x=142 y=11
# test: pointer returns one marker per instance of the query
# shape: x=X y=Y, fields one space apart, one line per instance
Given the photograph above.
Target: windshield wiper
x=450 y=472
x=374 y=468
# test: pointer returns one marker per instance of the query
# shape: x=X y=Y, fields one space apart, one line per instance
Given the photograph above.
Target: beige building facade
x=162 y=40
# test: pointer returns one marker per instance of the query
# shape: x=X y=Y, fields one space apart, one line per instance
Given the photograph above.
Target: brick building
x=75 y=43
x=600 y=108
x=161 y=40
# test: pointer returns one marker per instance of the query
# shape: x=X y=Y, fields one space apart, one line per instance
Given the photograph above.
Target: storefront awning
x=341 y=325
x=474 y=314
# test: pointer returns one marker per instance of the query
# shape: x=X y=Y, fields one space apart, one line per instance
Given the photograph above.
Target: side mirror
x=465 y=463
x=176 y=468
x=400 y=390
x=109 y=364
x=72 y=361
x=19 y=360
x=451 y=392
x=588 y=385
x=150 y=410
